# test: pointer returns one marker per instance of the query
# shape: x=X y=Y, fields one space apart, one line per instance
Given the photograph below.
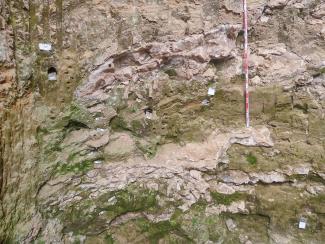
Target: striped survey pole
x=245 y=61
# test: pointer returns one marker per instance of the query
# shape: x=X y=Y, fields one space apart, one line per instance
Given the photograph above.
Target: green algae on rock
x=128 y=146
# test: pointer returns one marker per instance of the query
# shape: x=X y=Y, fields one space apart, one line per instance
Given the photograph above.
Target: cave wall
x=127 y=146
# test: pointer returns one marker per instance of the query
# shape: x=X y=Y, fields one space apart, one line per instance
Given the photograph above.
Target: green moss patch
x=251 y=225
x=285 y=205
x=148 y=148
x=90 y=216
x=171 y=72
x=280 y=156
x=137 y=126
x=118 y=124
x=199 y=226
x=109 y=239
x=251 y=159
x=318 y=203
x=303 y=107
x=308 y=178
x=282 y=203
x=228 y=199
x=81 y=167
x=54 y=146
x=156 y=231
x=129 y=201
x=75 y=117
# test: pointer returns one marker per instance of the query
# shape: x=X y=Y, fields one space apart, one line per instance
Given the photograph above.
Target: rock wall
x=127 y=146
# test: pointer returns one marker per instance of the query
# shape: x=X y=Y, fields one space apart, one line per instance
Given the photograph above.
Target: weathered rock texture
x=126 y=146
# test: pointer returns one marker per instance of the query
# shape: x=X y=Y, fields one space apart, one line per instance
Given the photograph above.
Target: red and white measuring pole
x=245 y=60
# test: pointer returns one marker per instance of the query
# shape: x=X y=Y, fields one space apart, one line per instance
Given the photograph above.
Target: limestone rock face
x=121 y=147
x=142 y=138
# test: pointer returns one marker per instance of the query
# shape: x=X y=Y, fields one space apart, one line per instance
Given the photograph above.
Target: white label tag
x=205 y=102
x=302 y=225
x=211 y=91
x=45 y=46
x=52 y=76
x=148 y=115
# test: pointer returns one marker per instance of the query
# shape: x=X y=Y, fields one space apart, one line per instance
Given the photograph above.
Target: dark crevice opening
x=75 y=125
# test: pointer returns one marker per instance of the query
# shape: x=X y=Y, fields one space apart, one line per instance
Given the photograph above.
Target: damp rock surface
x=123 y=122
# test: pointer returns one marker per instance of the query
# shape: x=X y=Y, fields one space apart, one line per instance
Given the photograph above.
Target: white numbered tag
x=52 y=76
x=45 y=46
x=211 y=91
x=302 y=223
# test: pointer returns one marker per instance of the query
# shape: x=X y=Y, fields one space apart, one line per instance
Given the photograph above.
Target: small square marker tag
x=211 y=91
x=45 y=47
x=302 y=223
x=148 y=115
x=205 y=102
x=52 y=76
